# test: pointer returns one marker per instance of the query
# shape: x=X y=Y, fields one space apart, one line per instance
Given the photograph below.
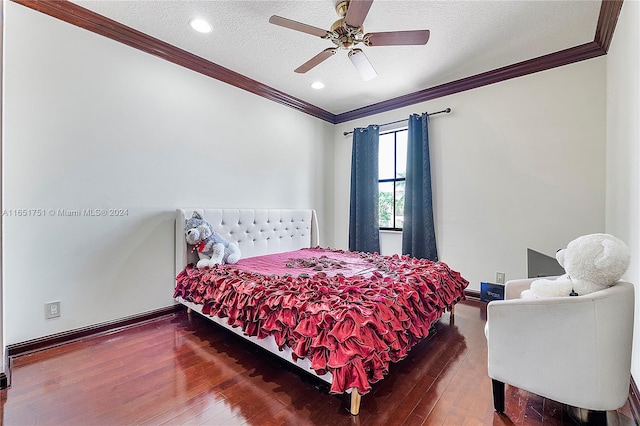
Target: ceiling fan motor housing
x=341 y=8
x=345 y=36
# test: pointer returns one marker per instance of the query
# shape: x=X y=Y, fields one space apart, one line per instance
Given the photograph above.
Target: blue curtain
x=364 y=234
x=418 y=231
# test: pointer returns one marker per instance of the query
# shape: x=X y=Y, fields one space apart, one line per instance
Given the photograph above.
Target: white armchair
x=573 y=350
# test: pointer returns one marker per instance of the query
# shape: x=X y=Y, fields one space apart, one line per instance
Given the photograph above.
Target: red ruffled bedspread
x=350 y=324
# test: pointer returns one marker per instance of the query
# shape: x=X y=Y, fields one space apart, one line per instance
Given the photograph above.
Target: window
x=392 y=170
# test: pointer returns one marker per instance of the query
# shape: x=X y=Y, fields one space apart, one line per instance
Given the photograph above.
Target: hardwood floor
x=182 y=369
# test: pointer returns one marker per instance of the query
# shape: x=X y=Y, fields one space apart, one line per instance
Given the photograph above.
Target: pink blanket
x=308 y=261
x=349 y=313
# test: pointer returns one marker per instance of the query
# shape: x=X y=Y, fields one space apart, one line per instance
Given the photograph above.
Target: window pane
x=385 y=204
x=385 y=157
x=399 y=211
x=401 y=153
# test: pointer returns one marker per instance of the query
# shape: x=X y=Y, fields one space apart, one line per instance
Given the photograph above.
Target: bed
x=341 y=316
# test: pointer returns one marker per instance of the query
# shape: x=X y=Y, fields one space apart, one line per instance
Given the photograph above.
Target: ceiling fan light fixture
x=317 y=85
x=362 y=64
x=200 y=25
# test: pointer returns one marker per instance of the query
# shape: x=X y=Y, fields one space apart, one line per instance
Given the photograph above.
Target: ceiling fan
x=347 y=32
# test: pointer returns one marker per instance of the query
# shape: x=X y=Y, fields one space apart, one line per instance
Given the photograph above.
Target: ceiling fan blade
x=325 y=54
x=397 y=38
x=298 y=26
x=362 y=64
x=357 y=12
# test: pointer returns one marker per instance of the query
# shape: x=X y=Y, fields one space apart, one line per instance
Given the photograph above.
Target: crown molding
x=76 y=15
x=552 y=60
x=607 y=20
x=91 y=21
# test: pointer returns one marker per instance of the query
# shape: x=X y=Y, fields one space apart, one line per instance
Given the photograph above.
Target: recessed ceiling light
x=318 y=85
x=200 y=25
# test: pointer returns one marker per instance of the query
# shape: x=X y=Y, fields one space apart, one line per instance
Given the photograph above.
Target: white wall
x=623 y=147
x=3 y=366
x=90 y=123
x=516 y=165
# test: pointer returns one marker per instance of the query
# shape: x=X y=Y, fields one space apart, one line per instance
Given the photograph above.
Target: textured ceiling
x=467 y=38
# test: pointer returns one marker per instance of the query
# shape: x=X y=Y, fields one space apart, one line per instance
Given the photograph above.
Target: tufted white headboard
x=257 y=231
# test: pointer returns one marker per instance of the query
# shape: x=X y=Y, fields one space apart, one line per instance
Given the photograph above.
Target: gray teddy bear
x=211 y=247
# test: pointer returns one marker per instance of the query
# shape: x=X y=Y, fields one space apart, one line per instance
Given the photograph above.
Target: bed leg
x=355 y=402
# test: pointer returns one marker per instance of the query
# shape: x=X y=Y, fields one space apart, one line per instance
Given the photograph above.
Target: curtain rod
x=444 y=111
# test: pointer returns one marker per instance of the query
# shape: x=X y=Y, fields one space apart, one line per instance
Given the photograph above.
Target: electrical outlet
x=51 y=310
x=500 y=277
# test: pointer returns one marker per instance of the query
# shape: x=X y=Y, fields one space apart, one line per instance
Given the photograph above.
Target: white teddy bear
x=591 y=262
